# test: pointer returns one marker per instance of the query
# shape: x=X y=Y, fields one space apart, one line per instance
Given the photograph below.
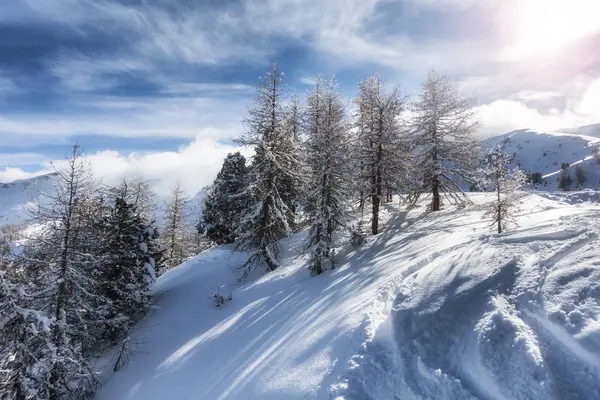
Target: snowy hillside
x=15 y=196
x=545 y=153
x=435 y=307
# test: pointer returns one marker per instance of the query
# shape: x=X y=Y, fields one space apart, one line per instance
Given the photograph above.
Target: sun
x=547 y=27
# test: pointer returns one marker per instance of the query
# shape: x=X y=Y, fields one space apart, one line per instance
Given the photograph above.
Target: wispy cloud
x=172 y=68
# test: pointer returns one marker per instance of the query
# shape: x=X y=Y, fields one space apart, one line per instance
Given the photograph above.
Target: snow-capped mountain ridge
x=545 y=152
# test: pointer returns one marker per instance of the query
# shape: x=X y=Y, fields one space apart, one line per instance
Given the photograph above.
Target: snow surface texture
x=545 y=153
x=435 y=307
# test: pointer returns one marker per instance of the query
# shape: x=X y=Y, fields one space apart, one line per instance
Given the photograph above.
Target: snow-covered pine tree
x=267 y=217
x=226 y=200
x=65 y=275
x=130 y=266
x=381 y=149
x=21 y=333
x=175 y=235
x=446 y=152
x=327 y=130
x=505 y=183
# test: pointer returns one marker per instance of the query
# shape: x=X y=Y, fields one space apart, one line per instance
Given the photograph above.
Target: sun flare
x=543 y=27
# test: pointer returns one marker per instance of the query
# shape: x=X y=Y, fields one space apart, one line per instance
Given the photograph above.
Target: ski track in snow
x=434 y=307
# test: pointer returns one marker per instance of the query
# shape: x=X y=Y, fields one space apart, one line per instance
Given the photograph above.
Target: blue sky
x=157 y=87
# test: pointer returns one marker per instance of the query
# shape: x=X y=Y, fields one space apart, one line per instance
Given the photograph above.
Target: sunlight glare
x=545 y=27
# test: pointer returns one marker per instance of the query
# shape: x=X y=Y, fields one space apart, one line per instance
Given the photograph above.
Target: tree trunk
x=499 y=216
x=435 y=206
x=378 y=180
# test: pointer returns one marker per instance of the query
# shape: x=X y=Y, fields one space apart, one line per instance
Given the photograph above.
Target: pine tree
x=327 y=131
x=505 y=184
x=130 y=269
x=267 y=218
x=175 y=236
x=65 y=272
x=446 y=151
x=564 y=180
x=21 y=333
x=381 y=149
x=226 y=201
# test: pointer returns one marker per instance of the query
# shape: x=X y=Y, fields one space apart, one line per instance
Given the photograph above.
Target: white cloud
x=11 y=174
x=503 y=116
x=194 y=165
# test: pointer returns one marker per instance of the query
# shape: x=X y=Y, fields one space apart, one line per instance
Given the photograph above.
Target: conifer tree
x=505 y=183
x=21 y=335
x=446 y=152
x=65 y=274
x=580 y=176
x=564 y=179
x=292 y=185
x=327 y=131
x=130 y=248
x=226 y=201
x=174 y=236
x=267 y=218
x=381 y=149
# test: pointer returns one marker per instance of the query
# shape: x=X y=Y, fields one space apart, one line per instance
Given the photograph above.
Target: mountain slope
x=17 y=195
x=545 y=153
x=374 y=327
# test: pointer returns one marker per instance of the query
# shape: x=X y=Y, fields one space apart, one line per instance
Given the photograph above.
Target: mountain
x=435 y=307
x=17 y=195
x=546 y=152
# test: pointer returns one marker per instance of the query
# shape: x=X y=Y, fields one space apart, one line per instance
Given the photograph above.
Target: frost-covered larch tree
x=443 y=128
x=505 y=183
x=327 y=130
x=267 y=218
x=381 y=151
x=227 y=200
x=138 y=193
x=174 y=236
x=65 y=268
x=291 y=185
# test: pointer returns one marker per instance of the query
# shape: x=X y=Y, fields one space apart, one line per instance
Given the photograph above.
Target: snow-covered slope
x=15 y=196
x=545 y=153
x=435 y=307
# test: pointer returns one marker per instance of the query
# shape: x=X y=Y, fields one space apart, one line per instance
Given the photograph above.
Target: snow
x=436 y=306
